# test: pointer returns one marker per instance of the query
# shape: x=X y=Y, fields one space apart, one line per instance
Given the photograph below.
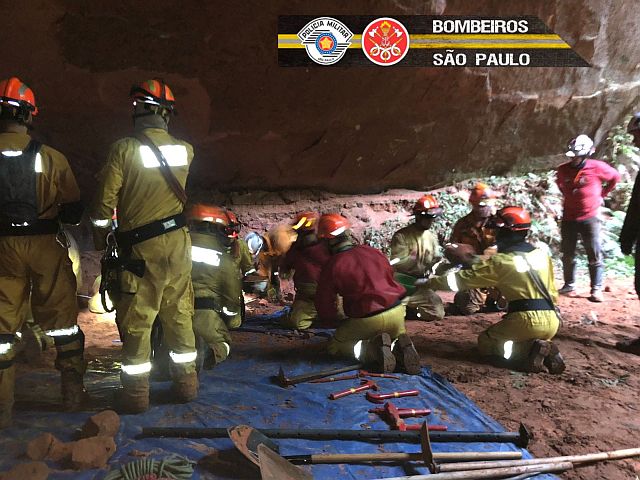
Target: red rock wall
x=257 y=125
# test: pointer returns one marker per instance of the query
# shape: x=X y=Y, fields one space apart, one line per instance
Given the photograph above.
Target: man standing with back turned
x=144 y=177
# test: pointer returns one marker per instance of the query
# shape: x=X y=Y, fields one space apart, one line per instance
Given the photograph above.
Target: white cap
x=580 y=146
x=254 y=242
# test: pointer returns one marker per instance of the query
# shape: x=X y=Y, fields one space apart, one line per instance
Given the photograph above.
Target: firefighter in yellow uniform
x=414 y=252
x=220 y=261
x=144 y=177
x=38 y=191
x=474 y=230
x=524 y=275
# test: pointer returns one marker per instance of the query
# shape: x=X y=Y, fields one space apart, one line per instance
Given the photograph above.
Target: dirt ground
x=592 y=406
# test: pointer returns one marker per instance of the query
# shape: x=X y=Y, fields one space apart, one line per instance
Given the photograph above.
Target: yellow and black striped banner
x=434 y=41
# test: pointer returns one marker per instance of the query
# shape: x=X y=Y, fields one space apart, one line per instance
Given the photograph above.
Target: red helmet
x=16 y=94
x=233 y=229
x=331 y=225
x=153 y=92
x=427 y=205
x=516 y=219
x=481 y=192
x=305 y=221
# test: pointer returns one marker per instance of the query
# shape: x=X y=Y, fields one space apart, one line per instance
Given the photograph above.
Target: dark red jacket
x=583 y=188
x=307 y=261
x=363 y=277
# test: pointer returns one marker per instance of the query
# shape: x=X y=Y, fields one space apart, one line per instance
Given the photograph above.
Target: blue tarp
x=241 y=391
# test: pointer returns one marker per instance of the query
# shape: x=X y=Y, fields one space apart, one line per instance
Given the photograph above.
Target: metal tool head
x=248 y=439
x=283 y=381
x=427 y=453
x=274 y=467
x=525 y=436
x=369 y=383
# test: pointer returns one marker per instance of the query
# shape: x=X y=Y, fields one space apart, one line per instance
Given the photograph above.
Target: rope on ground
x=170 y=468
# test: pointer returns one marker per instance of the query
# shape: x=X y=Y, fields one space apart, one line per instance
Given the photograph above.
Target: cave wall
x=257 y=125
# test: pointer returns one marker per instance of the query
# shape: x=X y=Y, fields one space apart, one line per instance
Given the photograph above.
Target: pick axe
x=248 y=441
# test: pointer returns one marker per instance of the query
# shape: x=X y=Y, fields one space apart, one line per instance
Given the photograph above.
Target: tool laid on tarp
x=360 y=374
x=391 y=414
x=381 y=397
x=285 y=381
x=520 y=438
x=364 y=385
x=247 y=440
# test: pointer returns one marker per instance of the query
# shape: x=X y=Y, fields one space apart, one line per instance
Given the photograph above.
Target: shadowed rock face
x=255 y=124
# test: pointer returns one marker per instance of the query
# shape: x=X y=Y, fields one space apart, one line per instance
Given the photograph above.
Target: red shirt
x=307 y=261
x=363 y=277
x=583 y=188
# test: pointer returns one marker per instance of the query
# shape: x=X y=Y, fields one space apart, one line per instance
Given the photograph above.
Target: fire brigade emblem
x=385 y=41
x=325 y=39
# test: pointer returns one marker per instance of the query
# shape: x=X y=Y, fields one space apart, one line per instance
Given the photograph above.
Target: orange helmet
x=233 y=229
x=427 y=205
x=481 y=193
x=208 y=213
x=153 y=92
x=331 y=225
x=16 y=94
x=305 y=221
x=516 y=219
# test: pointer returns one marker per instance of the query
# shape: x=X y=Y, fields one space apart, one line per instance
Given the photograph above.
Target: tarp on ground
x=241 y=391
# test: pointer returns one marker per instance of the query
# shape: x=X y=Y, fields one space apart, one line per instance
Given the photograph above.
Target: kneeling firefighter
x=524 y=275
x=144 y=176
x=38 y=191
x=220 y=260
x=374 y=331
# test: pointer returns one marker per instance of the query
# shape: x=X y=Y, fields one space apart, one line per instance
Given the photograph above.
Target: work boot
x=407 y=358
x=596 y=296
x=568 y=290
x=377 y=354
x=185 y=387
x=554 y=361
x=632 y=346
x=534 y=363
x=74 y=395
x=134 y=396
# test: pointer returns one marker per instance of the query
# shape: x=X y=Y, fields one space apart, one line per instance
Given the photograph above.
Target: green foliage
x=619 y=146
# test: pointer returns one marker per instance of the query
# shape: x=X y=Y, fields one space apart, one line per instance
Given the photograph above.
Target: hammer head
x=370 y=384
x=283 y=381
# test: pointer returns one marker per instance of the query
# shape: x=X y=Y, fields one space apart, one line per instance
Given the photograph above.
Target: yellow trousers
x=39 y=266
x=352 y=330
x=303 y=311
x=166 y=291
x=208 y=325
x=521 y=328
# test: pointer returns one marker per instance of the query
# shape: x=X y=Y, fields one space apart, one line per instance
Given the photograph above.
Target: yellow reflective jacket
x=507 y=271
x=217 y=270
x=55 y=184
x=416 y=250
x=131 y=180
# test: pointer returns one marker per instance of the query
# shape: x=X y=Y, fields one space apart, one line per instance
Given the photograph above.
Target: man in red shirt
x=374 y=331
x=306 y=258
x=584 y=182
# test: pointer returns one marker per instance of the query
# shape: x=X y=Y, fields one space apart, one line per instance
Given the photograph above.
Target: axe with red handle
x=364 y=385
x=404 y=412
x=393 y=417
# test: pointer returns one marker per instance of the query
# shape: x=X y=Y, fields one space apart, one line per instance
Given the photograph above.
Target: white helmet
x=580 y=146
x=254 y=242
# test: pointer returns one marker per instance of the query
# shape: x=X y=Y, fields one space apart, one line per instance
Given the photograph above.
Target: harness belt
x=528 y=304
x=39 y=227
x=128 y=239
x=205 y=303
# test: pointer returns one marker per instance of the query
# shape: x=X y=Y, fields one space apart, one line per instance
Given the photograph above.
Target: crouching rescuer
x=144 y=177
x=220 y=260
x=374 y=331
x=38 y=191
x=524 y=275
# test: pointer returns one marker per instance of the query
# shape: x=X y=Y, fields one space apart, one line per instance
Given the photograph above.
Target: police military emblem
x=325 y=39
